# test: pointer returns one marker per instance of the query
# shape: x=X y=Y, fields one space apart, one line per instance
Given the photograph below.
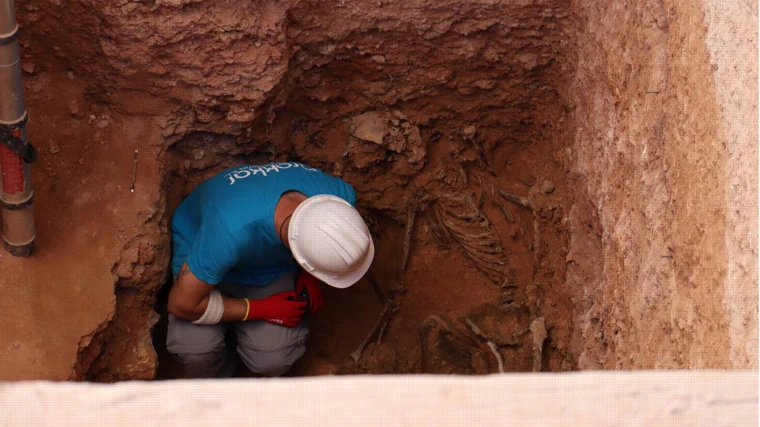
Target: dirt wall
x=571 y=170
x=666 y=143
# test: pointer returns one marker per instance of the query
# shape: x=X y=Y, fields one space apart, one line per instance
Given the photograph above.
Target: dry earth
x=627 y=133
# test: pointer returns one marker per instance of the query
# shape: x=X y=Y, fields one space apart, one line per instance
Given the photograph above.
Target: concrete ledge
x=642 y=398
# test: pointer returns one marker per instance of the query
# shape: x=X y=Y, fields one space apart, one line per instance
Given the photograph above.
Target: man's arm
x=189 y=297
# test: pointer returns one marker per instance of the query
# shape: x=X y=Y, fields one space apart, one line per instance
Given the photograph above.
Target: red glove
x=311 y=284
x=282 y=308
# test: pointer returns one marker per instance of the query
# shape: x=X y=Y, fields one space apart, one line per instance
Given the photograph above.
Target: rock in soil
x=28 y=68
x=74 y=109
x=469 y=132
x=53 y=147
x=547 y=187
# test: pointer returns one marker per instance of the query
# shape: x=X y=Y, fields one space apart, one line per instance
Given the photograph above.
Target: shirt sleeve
x=214 y=251
x=350 y=194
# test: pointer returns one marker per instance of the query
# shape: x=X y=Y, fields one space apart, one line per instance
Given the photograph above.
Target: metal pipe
x=16 y=195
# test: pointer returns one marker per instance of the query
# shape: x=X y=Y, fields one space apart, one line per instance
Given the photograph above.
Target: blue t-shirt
x=225 y=228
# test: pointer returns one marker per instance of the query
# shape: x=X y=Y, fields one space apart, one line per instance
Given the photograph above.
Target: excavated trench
x=496 y=151
x=434 y=149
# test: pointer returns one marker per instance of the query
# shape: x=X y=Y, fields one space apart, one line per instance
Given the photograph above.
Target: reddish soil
x=85 y=215
x=440 y=279
x=526 y=152
x=433 y=142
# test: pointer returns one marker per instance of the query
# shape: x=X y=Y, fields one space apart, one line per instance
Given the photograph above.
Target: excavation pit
x=552 y=157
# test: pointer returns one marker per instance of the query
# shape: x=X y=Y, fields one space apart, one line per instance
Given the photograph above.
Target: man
x=250 y=246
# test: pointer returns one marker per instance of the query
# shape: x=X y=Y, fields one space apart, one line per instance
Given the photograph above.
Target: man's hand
x=282 y=308
x=311 y=284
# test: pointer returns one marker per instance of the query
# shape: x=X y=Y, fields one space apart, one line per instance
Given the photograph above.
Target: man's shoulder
x=256 y=188
x=264 y=172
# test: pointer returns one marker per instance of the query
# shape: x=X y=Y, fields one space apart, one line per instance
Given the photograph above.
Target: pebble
x=92 y=117
x=52 y=147
x=70 y=75
x=49 y=169
x=547 y=186
x=199 y=155
x=28 y=67
x=81 y=161
x=529 y=60
x=379 y=59
x=74 y=108
x=102 y=124
x=469 y=132
x=484 y=84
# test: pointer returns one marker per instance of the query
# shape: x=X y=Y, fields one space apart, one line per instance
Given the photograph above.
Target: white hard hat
x=330 y=240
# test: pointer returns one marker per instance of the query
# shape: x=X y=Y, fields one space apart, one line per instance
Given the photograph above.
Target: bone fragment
x=357 y=354
x=538 y=329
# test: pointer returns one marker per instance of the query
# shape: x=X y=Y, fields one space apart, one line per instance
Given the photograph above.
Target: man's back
x=225 y=228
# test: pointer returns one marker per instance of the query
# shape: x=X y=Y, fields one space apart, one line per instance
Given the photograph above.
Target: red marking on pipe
x=13 y=169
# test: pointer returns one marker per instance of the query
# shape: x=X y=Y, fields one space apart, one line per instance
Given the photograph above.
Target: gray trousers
x=265 y=348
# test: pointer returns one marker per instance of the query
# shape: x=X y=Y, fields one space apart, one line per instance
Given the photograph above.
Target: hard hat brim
x=352 y=277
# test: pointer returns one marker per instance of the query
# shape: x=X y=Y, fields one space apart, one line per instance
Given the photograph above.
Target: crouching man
x=250 y=246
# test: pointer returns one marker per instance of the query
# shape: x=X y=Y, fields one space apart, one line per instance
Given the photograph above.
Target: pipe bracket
x=24 y=250
x=17 y=206
x=8 y=38
x=10 y=135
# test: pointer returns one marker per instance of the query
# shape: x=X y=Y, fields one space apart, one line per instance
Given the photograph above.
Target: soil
x=85 y=218
x=532 y=158
x=666 y=234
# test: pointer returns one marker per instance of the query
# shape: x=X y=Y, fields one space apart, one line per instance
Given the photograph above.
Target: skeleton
x=413 y=206
x=490 y=189
x=396 y=287
x=538 y=329
x=530 y=204
x=455 y=216
x=431 y=321
x=382 y=321
x=429 y=324
x=494 y=349
x=357 y=354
